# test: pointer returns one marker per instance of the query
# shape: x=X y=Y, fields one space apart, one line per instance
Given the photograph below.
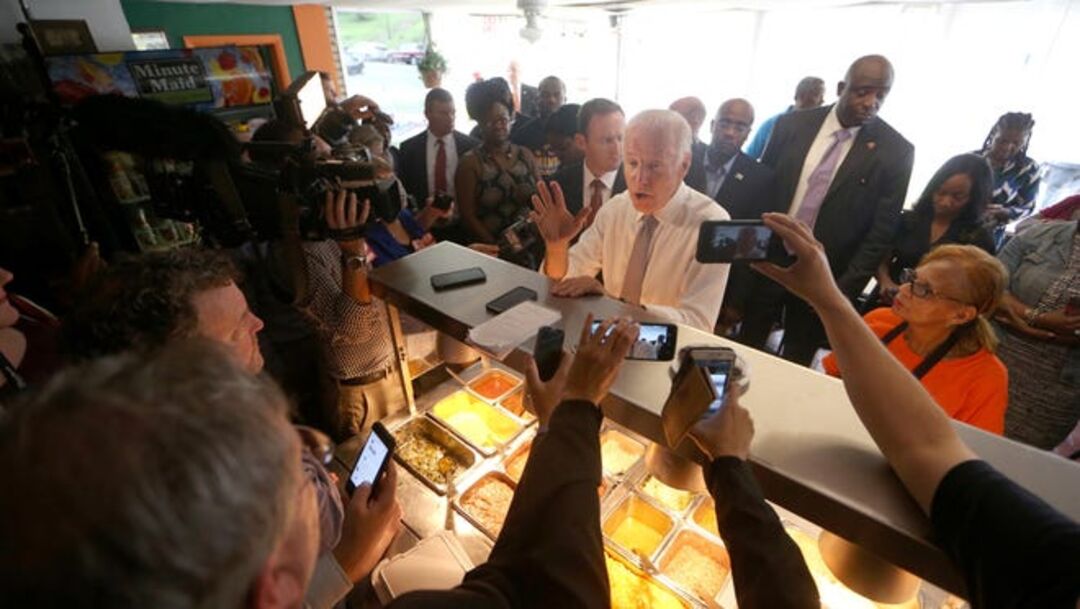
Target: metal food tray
x=437 y=435
x=637 y=570
x=461 y=509
x=666 y=553
x=483 y=450
x=634 y=505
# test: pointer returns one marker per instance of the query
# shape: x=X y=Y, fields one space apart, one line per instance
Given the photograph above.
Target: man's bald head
x=552 y=95
x=863 y=90
x=693 y=110
x=729 y=129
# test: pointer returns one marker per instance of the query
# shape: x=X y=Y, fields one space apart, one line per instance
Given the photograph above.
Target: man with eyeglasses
x=740 y=185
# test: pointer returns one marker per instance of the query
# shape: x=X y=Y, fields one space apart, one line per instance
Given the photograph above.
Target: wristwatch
x=354 y=263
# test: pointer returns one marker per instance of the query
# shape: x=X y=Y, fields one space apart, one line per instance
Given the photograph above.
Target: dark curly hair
x=978 y=171
x=143 y=302
x=481 y=96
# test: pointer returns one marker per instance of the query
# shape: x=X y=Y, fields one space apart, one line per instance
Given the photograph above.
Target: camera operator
x=352 y=324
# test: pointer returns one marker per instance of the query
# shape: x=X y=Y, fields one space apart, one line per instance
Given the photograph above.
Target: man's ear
x=840 y=88
x=277 y=586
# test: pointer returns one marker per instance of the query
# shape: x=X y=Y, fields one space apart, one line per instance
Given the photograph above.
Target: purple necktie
x=818 y=184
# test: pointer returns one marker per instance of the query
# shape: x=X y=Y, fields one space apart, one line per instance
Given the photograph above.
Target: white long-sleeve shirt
x=675 y=287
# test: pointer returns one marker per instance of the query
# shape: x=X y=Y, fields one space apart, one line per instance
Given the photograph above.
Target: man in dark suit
x=429 y=160
x=591 y=182
x=531 y=133
x=844 y=172
x=740 y=185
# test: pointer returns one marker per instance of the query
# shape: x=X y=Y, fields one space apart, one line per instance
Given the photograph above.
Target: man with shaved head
x=844 y=172
x=641 y=241
x=532 y=134
x=693 y=110
x=740 y=185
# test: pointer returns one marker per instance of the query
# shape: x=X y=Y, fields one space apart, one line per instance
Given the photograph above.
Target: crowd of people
x=166 y=443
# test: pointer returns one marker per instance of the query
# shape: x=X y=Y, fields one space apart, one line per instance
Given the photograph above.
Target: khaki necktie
x=639 y=260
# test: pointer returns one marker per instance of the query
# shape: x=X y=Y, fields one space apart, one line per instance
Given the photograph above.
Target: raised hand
x=344 y=217
x=599 y=357
x=556 y=224
x=809 y=277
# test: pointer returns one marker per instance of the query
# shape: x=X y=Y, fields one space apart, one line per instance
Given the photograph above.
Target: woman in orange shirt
x=938 y=328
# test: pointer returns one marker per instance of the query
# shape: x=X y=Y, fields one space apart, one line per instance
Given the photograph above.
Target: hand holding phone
x=727 y=432
x=373 y=459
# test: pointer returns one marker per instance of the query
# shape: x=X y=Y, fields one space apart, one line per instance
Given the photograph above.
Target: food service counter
x=810 y=453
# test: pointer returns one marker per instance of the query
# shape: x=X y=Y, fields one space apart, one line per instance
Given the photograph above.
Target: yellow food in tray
x=631 y=589
x=698 y=566
x=618 y=452
x=705 y=517
x=477 y=421
x=672 y=498
x=488 y=502
x=515 y=465
x=637 y=526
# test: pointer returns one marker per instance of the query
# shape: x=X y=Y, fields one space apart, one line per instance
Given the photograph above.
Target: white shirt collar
x=446 y=139
x=608 y=178
x=832 y=124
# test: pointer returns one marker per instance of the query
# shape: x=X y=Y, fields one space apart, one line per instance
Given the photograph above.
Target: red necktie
x=440 y=167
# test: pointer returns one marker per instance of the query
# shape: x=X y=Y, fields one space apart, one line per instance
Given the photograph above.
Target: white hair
x=159 y=481
x=665 y=126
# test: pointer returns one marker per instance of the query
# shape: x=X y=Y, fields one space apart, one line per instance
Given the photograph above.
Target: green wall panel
x=180 y=19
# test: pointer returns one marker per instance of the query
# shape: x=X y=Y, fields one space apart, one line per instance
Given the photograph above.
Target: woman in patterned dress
x=496 y=180
x=1041 y=340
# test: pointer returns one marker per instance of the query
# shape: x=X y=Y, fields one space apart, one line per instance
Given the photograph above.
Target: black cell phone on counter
x=511 y=299
x=458 y=279
x=373 y=460
x=720 y=364
x=548 y=351
x=655 y=342
x=728 y=241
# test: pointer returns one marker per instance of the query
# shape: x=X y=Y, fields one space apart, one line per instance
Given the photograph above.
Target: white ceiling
x=510 y=6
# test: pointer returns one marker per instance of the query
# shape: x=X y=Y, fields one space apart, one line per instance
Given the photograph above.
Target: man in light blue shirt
x=810 y=93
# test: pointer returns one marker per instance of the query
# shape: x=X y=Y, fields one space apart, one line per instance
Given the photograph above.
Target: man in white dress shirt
x=642 y=241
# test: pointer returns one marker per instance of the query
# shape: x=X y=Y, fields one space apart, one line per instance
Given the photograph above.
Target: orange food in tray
x=493 y=384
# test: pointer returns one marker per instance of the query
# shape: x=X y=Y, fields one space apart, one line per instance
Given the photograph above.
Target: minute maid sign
x=174 y=81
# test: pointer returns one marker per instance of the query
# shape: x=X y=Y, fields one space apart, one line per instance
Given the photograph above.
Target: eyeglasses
x=921 y=289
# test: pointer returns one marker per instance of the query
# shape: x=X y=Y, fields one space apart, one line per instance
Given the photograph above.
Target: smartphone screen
x=655 y=342
x=733 y=241
x=370 y=462
x=719 y=373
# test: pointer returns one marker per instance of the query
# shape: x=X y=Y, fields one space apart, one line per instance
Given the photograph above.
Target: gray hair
x=159 y=482
x=665 y=126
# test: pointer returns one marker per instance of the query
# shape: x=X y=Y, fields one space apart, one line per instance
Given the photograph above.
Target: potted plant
x=432 y=66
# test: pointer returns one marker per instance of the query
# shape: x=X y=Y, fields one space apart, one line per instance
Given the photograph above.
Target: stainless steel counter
x=811 y=453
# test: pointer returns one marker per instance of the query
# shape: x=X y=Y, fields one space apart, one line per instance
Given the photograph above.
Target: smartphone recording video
x=655 y=342
x=720 y=374
x=733 y=241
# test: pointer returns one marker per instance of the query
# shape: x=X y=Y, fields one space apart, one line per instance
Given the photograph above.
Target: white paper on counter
x=499 y=335
x=436 y=563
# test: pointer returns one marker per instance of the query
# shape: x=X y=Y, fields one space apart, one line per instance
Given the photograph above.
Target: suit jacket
x=861 y=210
x=412 y=168
x=572 y=181
x=695 y=178
x=747 y=191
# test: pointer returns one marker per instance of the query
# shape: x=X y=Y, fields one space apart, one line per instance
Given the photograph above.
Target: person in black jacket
x=550 y=552
x=844 y=172
x=762 y=554
x=589 y=183
x=1013 y=549
x=429 y=160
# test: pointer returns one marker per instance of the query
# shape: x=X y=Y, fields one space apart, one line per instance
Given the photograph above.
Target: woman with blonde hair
x=938 y=327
